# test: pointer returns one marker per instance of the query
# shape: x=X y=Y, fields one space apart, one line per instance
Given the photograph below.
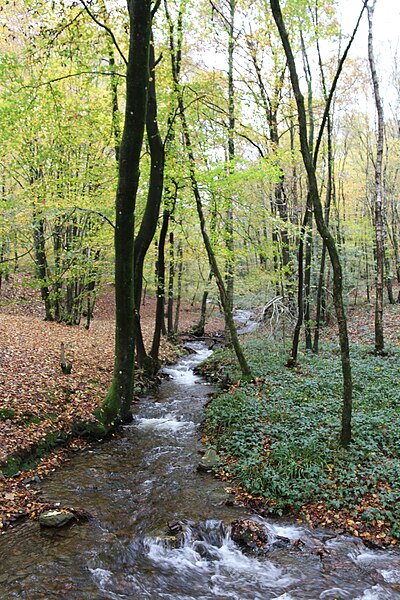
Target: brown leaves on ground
x=18 y=499
x=37 y=400
x=376 y=532
x=360 y=321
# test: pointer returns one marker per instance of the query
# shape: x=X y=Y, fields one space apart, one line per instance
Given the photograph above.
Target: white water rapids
x=135 y=485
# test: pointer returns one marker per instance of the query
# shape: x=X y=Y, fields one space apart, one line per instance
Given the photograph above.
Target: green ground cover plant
x=278 y=437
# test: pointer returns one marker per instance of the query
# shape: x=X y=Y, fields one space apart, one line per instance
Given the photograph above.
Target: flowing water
x=135 y=485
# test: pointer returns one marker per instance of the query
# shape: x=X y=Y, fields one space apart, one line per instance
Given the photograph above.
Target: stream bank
x=138 y=483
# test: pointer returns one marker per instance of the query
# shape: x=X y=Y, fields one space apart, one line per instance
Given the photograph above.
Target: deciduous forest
x=221 y=173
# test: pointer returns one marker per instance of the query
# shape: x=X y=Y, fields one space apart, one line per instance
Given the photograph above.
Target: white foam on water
x=168 y=423
x=390 y=575
x=232 y=562
x=376 y=593
x=182 y=376
x=287 y=531
x=177 y=559
x=225 y=567
x=182 y=373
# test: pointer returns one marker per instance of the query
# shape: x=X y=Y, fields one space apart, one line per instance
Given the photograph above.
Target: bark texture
x=116 y=406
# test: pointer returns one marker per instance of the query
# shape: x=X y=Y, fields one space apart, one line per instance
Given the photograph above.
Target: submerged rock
x=55 y=518
x=176 y=533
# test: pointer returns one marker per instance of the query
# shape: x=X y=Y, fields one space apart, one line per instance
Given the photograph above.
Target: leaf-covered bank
x=277 y=437
x=41 y=408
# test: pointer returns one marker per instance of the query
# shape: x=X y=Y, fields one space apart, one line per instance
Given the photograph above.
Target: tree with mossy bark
x=117 y=404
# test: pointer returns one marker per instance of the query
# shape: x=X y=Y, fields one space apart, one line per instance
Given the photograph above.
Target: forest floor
x=277 y=437
x=39 y=405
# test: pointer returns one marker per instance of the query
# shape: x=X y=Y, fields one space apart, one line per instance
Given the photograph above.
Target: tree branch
x=334 y=84
x=104 y=26
x=50 y=81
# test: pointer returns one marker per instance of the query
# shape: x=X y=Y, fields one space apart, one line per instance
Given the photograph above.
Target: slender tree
x=148 y=224
x=224 y=298
x=379 y=209
x=310 y=165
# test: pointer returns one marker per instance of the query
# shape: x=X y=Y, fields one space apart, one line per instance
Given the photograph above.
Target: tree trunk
x=379 y=209
x=171 y=282
x=345 y=436
x=41 y=264
x=159 y=326
x=199 y=328
x=388 y=281
x=229 y=241
x=179 y=287
x=175 y=60
x=292 y=360
x=329 y=191
x=149 y=221
x=116 y=406
x=307 y=284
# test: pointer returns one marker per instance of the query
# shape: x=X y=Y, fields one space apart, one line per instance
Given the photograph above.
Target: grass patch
x=278 y=437
x=6 y=414
x=30 y=460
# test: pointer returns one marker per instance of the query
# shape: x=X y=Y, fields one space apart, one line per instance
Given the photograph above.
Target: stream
x=134 y=485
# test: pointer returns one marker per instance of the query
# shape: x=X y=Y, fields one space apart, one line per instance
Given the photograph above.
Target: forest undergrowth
x=278 y=437
x=41 y=408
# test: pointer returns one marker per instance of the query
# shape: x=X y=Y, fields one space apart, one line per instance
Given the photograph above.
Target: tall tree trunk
x=199 y=205
x=210 y=252
x=309 y=163
x=230 y=251
x=41 y=264
x=179 y=287
x=308 y=241
x=159 y=326
x=149 y=221
x=171 y=282
x=116 y=406
x=329 y=191
x=57 y=248
x=199 y=328
x=307 y=284
x=379 y=209
x=292 y=360
x=321 y=293
x=388 y=281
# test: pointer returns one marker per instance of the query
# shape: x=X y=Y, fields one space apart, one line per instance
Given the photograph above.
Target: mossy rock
x=55 y=518
x=209 y=461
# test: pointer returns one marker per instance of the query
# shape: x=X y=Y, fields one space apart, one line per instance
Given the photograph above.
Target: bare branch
x=156 y=7
x=104 y=26
x=50 y=81
x=335 y=82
